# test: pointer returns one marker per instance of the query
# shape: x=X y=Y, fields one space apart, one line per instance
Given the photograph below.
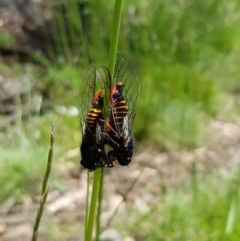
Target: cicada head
x=98 y=100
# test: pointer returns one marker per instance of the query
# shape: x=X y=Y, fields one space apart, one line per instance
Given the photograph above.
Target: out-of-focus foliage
x=6 y=39
x=182 y=215
x=181 y=31
x=175 y=44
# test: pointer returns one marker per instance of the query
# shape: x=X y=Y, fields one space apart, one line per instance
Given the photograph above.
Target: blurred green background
x=188 y=55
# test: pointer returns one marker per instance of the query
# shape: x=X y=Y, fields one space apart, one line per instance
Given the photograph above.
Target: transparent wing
x=97 y=78
x=126 y=72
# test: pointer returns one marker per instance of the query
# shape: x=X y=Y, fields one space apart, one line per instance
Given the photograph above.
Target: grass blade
x=44 y=193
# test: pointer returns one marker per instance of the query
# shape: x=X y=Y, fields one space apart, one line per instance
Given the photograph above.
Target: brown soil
x=150 y=172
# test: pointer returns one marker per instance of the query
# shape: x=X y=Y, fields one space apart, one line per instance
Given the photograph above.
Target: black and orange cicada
x=91 y=111
x=124 y=97
x=112 y=128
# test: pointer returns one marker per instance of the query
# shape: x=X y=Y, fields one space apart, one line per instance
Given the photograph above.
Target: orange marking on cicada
x=114 y=91
x=96 y=97
x=108 y=126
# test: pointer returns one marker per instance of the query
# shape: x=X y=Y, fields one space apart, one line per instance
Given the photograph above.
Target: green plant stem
x=111 y=63
x=233 y=200
x=93 y=204
x=44 y=193
x=87 y=204
x=98 y=174
x=115 y=35
x=100 y=195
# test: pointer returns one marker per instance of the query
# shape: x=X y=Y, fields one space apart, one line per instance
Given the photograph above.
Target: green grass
x=45 y=188
x=6 y=40
x=176 y=103
x=21 y=167
x=180 y=215
x=24 y=154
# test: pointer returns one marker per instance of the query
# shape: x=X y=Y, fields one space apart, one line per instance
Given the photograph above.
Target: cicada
x=124 y=97
x=92 y=102
x=107 y=136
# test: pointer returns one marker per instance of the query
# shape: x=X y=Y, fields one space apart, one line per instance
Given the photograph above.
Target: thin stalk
x=60 y=29
x=44 y=193
x=93 y=204
x=233 y=200
x=98 y=174
x=115 y=35
x=111 y=63
x=87 y=203
x=100 y=196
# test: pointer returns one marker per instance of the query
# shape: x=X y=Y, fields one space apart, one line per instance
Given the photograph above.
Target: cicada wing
x=126 y=72
x=96 y=79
